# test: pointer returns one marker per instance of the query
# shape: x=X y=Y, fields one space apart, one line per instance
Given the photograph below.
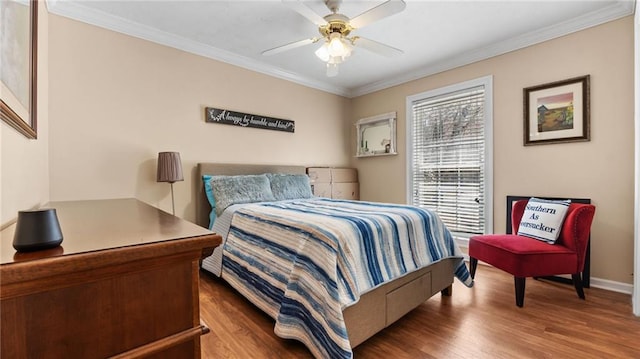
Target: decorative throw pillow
x=208 y=190
x=289 y=186
x=542 y=219
x=228 y=190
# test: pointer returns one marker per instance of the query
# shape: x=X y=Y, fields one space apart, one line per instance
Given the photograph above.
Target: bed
x=332 y=333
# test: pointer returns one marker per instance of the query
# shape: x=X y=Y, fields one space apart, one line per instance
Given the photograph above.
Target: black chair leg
x=520 y=284
x=473 y=263
x=577 y=282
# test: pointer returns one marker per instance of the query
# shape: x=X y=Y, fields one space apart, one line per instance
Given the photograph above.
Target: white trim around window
x=487 y=83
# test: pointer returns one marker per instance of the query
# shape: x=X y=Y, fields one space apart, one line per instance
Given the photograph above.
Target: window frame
x=487 y=83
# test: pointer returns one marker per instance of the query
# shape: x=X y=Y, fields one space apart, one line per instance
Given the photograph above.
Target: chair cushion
x=523 y=256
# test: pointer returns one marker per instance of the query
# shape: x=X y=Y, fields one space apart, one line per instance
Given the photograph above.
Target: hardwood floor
x=481 y=322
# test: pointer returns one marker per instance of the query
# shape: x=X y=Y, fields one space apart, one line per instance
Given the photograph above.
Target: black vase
x=37 y=230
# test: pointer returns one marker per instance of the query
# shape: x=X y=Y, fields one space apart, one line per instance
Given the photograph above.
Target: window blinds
x=448 y=158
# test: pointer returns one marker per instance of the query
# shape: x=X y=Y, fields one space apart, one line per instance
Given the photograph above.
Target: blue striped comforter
x=303 y=262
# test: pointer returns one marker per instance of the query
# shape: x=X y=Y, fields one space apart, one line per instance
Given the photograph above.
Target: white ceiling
x=434 y=35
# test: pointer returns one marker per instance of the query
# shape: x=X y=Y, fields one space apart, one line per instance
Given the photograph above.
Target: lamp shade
x=169 y=167
x=37 y=230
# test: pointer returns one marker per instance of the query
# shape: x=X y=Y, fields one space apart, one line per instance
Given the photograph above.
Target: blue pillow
x=208 y=189
x=289 y=186
x=228 y=190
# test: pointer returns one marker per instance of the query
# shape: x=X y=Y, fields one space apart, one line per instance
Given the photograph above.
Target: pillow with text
x=542 y=219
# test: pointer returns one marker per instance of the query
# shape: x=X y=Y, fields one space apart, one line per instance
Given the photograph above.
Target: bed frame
x=376 y=309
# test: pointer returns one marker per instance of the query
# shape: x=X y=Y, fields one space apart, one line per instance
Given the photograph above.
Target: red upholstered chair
x=527 y=257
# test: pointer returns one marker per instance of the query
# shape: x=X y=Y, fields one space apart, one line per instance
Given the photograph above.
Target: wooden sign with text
x=227 y=117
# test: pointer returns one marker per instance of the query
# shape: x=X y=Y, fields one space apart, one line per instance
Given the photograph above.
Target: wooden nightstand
x=124 y=282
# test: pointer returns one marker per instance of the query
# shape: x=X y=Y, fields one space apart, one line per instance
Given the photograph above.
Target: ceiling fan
x=335 y=29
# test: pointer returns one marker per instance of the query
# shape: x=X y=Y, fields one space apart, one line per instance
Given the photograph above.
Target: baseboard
x=612 y=285
x=600 y=283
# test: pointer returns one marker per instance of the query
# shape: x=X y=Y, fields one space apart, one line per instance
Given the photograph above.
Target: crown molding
x=616 y=11
x=76 y=11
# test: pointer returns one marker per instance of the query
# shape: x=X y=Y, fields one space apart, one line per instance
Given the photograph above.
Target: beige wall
x=24 y=169
x=601 y=169
x=116 y=101
x=109 y=102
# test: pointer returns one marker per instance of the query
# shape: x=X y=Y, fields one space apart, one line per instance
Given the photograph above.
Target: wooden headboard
x=230 y=169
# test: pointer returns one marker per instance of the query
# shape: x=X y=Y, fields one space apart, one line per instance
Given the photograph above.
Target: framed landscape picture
x=19 y=41
x=557 y=112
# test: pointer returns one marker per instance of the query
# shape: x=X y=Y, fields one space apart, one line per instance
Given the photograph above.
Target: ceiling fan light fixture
x=323 y=52
x=334 y=51
x=338 y=47
x=332 y=69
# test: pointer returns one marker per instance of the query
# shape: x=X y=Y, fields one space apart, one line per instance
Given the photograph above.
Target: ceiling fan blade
x=305 y=11
x=293 y=45
x=377 y=47
x=381 y=11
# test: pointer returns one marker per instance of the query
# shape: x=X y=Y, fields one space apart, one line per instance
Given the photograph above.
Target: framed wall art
x=557 y=112
x=19 y=43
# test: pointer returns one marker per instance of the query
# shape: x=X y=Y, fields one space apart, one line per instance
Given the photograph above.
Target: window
x=449 y=141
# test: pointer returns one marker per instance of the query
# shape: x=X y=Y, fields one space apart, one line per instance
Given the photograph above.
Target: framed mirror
x=376 y=135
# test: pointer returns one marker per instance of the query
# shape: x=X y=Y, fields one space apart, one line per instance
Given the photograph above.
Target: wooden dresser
x=124 y=283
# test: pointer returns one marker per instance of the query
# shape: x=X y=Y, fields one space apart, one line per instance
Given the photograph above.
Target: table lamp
x=170 y=170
